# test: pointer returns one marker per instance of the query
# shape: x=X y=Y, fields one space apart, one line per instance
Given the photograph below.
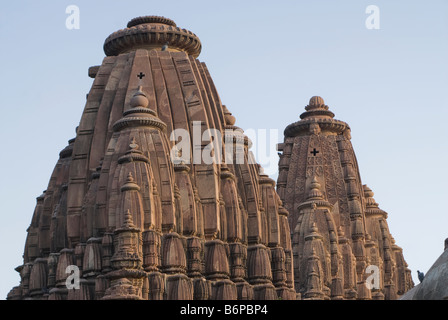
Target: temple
x=158 y=196
x=342 y=246
x=138 y=216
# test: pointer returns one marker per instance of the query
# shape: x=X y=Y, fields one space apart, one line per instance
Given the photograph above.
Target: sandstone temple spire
x=339 y=233
x=136 y=223
x=147 y=203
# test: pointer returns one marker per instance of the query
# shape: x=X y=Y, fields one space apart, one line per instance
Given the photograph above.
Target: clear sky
x=267 y=59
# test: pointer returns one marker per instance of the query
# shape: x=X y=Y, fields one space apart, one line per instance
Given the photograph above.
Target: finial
x=150 y=19
x=313 y=228
x=315 y=192
x=228 y=117
x=130 y=184
x=368 y=193
x=317 y=108
x=128 y=219
x=316 y=101
x=133 y=145
x=313 y=232
x=139 y=99
x=315 y=183
x=313 y=252
x=372 y=207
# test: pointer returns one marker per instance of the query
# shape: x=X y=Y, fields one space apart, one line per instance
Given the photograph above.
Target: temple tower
x=320 y=185
x=143 y=201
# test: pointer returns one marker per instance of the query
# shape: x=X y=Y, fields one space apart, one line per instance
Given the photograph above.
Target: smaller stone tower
x=339 y=234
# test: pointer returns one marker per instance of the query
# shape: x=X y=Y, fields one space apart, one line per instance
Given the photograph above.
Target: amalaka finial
x=316 y=101
x=152 y=33
x=149 y=20
x=317 y=108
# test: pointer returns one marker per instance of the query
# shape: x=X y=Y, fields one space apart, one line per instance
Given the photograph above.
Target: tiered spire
x=127 y=278
x=319 y=184
x=139 y=225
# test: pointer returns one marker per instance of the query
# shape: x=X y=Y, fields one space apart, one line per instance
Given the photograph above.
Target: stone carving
x=137 y=225
x=338 y=228
x=314 y=128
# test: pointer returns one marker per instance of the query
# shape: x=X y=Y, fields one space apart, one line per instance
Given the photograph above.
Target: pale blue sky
x=267 y=59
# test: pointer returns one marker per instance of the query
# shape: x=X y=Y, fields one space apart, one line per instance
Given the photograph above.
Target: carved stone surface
x=339 y=233
x=136 y=223
x=152 y=32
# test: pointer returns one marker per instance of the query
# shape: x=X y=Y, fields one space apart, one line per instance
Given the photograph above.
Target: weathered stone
x=137 y=223
x=338 y=229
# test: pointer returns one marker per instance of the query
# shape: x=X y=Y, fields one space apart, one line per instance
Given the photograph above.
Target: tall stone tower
x=342 y=245
x=137 y=214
